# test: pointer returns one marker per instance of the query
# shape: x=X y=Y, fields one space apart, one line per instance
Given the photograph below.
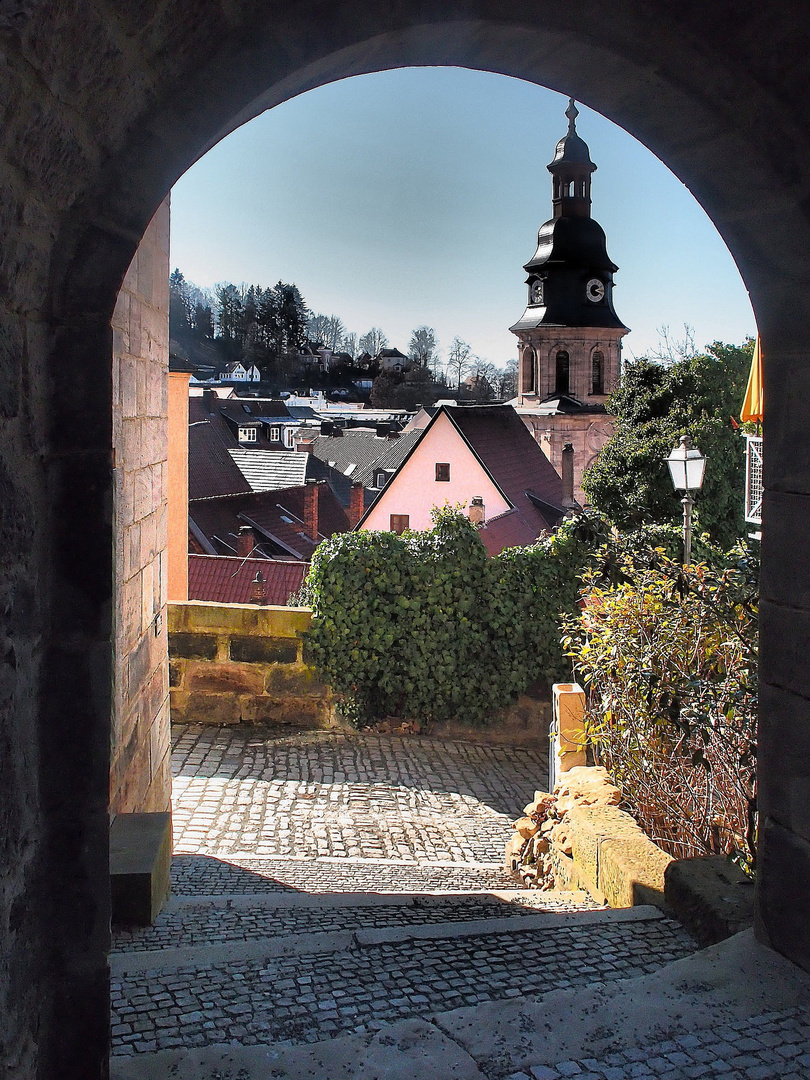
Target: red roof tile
x=223 y=579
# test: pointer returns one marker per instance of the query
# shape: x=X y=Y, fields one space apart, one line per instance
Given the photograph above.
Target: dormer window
x=380 y=479
x=247 y=435
x=275 y=434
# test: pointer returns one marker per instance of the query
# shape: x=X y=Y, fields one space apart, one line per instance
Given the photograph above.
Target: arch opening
x=741 y=149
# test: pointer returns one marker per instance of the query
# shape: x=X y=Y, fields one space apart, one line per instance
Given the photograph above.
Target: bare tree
x=349 y=344
x=459 y=361
x=671 y=349
x=373 y=341
x=505 y=384
x=327 y=330
x=423 y=346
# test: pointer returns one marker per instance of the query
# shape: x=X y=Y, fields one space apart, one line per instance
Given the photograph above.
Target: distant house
x=239 y=372
x=465 y=453
x=392 y=360
x=242 y=481
x=367 y=457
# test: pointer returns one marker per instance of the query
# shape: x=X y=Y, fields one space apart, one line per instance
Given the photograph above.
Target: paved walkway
x=339 y=910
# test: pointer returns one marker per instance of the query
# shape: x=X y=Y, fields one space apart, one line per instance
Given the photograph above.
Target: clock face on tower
x=595 y=290
x=537 y=292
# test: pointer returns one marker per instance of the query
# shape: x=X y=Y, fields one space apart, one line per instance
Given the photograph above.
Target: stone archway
x=106 y=107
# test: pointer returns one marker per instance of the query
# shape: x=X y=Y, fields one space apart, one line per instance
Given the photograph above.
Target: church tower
x=569 y=336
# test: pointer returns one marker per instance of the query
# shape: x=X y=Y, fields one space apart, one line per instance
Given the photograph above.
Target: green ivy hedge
x=425 y=625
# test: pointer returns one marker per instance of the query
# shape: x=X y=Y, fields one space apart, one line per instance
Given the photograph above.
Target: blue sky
x=415 y=196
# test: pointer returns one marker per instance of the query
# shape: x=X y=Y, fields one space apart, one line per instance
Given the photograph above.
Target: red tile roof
x=276 y=516
x=223 y=579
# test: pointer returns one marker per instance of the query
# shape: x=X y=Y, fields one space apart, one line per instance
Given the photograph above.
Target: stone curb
x=122 y=963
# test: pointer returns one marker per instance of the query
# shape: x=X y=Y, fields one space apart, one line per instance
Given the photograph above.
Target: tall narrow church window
x=598 y=373
x=562 y=384
x=527 y=371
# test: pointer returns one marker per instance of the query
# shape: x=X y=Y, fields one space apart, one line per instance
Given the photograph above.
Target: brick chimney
x=356 y=504
x=258 y=589
x=568 y=499
x=304 y=445
x=477 y=512
x=311 y=508
x=245 y=542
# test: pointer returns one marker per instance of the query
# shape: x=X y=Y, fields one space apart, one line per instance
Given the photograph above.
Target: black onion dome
x=575 y=242
x=571 y=149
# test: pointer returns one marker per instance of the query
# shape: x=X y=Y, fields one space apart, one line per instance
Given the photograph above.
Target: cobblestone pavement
x=313 y=997
x=206 y=924
x=773 y=1046
x=193 y=875
x=355 y=797
x=256 y=946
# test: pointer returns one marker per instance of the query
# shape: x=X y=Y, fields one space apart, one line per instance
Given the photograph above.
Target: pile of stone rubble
x=541 y=837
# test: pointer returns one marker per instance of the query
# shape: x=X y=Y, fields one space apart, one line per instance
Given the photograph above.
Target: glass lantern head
x=686 y=465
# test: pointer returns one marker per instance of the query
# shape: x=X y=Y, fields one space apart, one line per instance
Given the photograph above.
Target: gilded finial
x=572 y=112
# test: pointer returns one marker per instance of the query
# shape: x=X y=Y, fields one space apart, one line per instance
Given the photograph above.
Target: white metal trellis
x=753 y=479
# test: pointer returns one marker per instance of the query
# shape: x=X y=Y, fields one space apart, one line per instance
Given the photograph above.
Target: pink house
x=465 y=453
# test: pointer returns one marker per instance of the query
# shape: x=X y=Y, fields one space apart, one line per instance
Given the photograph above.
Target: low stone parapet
x=241 y=663
x=578 y=838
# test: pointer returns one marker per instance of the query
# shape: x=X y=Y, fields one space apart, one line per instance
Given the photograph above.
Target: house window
x=275 y=434
x=399 y=523
x=289 y=437
x=562 y=384
x=442 y=472
x=247 y=434
x=380 y=479
x=598 y=373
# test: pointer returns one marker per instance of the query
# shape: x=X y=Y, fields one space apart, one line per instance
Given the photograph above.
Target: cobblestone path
x=325 y=886
x=772 y=1046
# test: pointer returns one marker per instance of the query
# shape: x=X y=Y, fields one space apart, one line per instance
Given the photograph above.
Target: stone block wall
x=140 y=778
x=240 y=664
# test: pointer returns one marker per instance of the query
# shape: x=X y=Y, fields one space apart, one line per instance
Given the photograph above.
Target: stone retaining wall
x=242 y=664
x=578 y=838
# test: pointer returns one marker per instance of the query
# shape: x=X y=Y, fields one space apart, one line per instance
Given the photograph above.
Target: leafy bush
x=669 y=657
x=426 y=625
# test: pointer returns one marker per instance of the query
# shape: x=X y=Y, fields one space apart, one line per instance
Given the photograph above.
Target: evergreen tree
x=654 y=405
x=180 y=307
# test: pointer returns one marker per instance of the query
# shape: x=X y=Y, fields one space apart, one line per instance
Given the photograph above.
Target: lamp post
x=686 y=465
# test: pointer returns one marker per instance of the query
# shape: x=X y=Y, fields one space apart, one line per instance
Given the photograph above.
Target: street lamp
x=686 y=465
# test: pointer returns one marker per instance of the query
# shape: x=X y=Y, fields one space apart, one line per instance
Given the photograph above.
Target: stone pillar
x=569 y=713
x=177 y=471
x=783 y=872
x=140 y=778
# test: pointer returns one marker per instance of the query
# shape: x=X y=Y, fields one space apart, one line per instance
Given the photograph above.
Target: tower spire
x=572 y=112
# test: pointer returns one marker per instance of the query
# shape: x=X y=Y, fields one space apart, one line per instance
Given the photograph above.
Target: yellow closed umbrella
x=752 y=406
